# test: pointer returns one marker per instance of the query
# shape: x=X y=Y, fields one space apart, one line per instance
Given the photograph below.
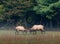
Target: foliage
x=44 y=7
x=28 y=11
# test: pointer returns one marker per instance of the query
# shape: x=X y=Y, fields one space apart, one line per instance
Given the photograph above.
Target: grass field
x=9 y=37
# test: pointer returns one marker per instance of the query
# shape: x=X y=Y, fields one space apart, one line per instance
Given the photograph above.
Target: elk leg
x=34 y=31
x=16 y=32
x=30 y=31
x=42 y=31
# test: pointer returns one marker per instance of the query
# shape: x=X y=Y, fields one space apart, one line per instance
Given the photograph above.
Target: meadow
x=9 y=37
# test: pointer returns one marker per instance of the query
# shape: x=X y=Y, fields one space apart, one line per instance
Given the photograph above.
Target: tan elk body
x=20 y=28
x=38 y=27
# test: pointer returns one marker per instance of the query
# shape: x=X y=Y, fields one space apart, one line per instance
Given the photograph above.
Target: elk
x=37 y=28
x=20 y=28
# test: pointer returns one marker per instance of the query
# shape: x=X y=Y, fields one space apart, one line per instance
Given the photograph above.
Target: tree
x=43 y=8
x=1 y=12
x=17 y=8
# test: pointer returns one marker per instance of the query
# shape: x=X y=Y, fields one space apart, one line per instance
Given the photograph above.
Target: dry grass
x=47 y=38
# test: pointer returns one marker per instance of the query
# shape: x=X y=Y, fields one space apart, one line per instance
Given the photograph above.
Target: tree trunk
x=57 y=22
x=41 y=20
x=25 y=22
x=47 y=25
x=50 y=24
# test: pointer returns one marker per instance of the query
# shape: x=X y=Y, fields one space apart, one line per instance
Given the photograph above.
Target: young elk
x=37 y=28
x=20 y=28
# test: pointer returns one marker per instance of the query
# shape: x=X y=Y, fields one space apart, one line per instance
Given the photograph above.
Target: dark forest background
x=30 y=12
